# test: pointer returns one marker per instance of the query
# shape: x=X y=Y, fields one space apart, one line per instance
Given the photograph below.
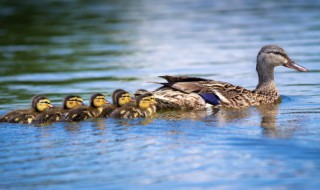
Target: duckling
x=26 y=116
x=97 y=101
x=140 y=92
x=56 y=114
x=6 y=116
x=120 y=98
x=143 y=108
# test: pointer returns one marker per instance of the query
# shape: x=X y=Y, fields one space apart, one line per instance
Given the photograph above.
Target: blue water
x=61 y=47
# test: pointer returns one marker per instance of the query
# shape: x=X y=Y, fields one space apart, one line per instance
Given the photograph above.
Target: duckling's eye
x=125 y=96
x=45 y=102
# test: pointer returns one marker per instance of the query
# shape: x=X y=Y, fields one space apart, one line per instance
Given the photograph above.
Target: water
x=62 y=47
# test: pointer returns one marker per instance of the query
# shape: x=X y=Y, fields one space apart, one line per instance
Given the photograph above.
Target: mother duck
x=185 y=92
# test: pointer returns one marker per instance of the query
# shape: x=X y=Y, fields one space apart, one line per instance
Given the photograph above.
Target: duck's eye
x=278 y=53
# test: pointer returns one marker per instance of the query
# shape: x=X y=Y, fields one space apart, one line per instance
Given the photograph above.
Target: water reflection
x=61 y=47
x=269 y=114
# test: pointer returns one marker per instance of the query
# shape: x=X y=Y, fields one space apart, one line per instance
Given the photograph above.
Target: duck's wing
x=218 y=93
x=171 y=78
x=170 y=98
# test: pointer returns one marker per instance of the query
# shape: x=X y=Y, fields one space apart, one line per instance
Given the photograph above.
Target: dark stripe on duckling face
x=124 y=99
x=98 y=100
x=43 y=104
x=35 y=99
x=72 y=101
x=145 y=101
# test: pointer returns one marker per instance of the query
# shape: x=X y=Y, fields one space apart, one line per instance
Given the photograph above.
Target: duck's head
x=121 y=97
x=41 y=103
x=271 y=56
x=146 y=100
x=72 y=101
x=98 y=100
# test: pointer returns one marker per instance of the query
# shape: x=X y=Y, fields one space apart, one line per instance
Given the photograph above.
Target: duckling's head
x=121 y=98
x=41 y=103
x=271 y=56
x=72 y=101
x=146 y=100
x=140 y=92
x=98 y=100
x=114 y=94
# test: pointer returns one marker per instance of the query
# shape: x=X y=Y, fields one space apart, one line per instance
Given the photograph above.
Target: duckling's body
x=120 y=98
x=13 y=114
x=143 y=108
x=97 y=101
x=57 y=113
x=196 y=93
x=26 y=116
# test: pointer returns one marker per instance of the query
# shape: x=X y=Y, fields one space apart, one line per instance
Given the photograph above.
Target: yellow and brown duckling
x=57 y=113
x=143 y=108
x=140 y=92
x=97 y=101
x=26 y=116
x=120 y=98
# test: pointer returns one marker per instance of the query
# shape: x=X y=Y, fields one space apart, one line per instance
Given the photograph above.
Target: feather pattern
x=195 y=94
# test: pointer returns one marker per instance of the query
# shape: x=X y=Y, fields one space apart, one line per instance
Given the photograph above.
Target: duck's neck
x=266 y=83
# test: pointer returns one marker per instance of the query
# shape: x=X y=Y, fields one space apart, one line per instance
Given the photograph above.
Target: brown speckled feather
x=185 y=94
x=169 y=98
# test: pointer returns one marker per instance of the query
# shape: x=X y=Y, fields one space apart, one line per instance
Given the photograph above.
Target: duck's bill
x=293 y=65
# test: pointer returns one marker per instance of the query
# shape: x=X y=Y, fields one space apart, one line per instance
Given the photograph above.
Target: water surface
x=61 y=47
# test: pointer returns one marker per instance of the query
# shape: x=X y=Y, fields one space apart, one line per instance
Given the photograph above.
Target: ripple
x=61 y=47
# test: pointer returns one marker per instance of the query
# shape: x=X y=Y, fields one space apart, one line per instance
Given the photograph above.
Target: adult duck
x=195 y=93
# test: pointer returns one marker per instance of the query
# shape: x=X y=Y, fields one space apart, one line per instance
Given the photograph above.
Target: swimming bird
x=57 y=113
x=120 y=98
x=195 y=93
x=140 y=92
x=97 y=101
x=143 y=108
x=39 y=104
